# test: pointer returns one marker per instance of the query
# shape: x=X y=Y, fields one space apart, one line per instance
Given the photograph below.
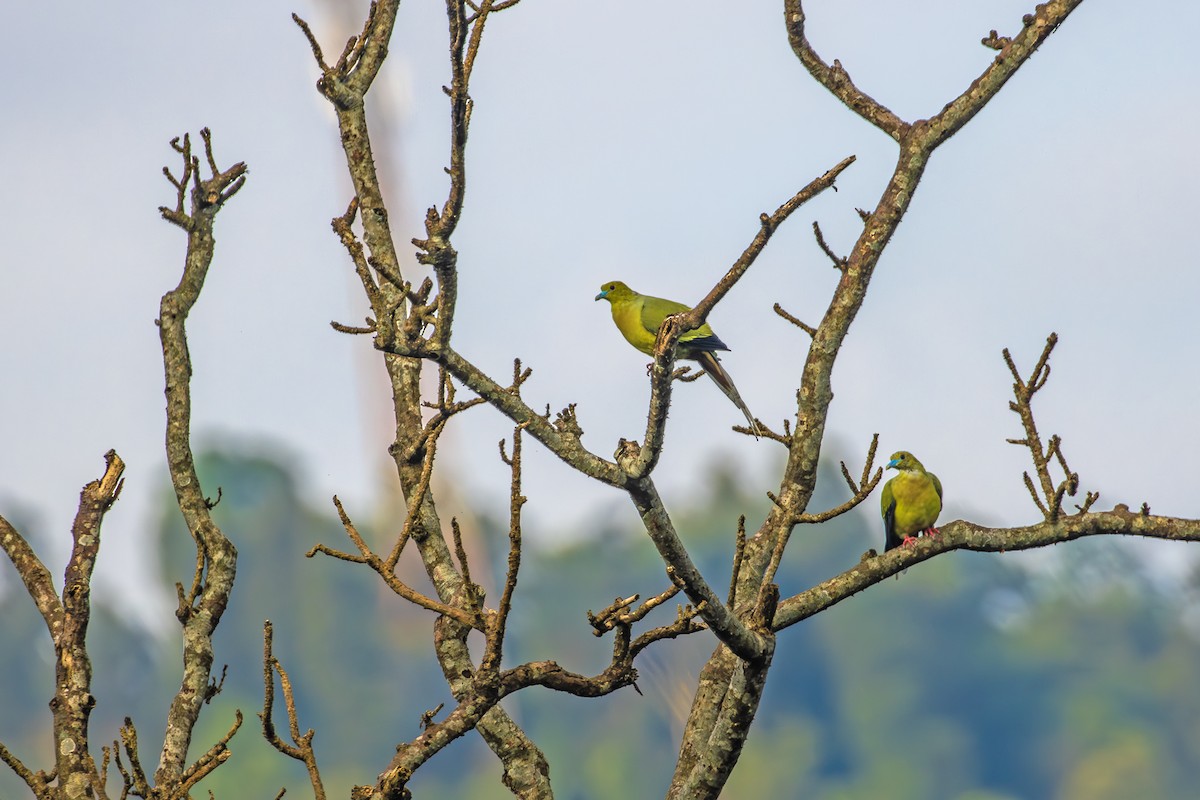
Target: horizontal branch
x=962 y=535
x=481 y=699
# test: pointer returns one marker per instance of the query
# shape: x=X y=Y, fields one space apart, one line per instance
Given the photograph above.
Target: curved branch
x=835 y=79
x=33 y=573
x=200 y=612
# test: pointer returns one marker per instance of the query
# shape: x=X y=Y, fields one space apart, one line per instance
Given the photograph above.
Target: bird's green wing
x=937 y=485
x=656 y=309
x=887 y=507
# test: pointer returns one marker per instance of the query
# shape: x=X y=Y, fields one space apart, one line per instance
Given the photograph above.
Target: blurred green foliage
x=970 y=677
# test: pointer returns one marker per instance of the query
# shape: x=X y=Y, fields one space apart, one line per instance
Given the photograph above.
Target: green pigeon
x=639 y=316
x=910 y=503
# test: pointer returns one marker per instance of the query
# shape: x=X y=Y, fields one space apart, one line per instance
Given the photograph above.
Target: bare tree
x=412 y=328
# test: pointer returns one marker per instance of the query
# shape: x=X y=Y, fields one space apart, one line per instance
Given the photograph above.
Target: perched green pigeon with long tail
x=639 y=316
x=910 y=503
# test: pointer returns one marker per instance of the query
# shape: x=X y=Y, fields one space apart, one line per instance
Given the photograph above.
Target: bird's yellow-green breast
x=911 y=501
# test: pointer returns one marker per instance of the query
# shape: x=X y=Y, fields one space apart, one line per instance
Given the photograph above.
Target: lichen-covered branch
x=962 y=535
x=73 y=701
x=200 y=610
x=400 y=319
x=834 y=77
x=731 y=630
x=75 y=773
x=1015 y=51
x=698 y=773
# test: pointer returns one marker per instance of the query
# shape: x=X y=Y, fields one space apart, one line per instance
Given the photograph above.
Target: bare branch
x=1037 y=27
x=768 y=224
x=33 y=573
x=416 y=497
x=835 y=79
x=135 y=777
x=961 y=535
x=617 y=615
x=302 y=749
x=1050 y=501
x=214 y=757
x=459 y=551
x=36 y=783
x=809 y=329
x=838 y=261
x=861 y=492
x=719 y=617
x=685 y=623
x=739 y=551
x=387 y=572
x=216 y=557
x=495 y=638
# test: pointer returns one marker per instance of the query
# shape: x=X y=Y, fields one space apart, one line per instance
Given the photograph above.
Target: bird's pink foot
x=932 y=531
x=909 y=541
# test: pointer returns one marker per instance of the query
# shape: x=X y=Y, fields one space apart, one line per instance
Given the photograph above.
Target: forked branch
x=301 y=748
x=1051 y=500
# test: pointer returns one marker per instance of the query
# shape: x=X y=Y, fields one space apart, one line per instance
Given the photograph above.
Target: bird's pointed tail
x=713 y=367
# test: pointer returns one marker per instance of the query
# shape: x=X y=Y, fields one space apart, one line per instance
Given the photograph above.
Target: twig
x=1050 y=501
x=460 y=551
x=216 y=755
x=495 y=638
x=302 y=750
x=809 y=329
x=840 y=262
x=387 y=572
x=739 y=551
x=135 y=778
x=861 y=492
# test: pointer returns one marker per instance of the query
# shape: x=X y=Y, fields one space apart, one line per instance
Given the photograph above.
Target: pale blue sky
x=621 y=140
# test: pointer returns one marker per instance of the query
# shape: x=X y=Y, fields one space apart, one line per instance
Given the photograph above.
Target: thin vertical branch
x=216 y=558
x=495 y=643
x=302 y=749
